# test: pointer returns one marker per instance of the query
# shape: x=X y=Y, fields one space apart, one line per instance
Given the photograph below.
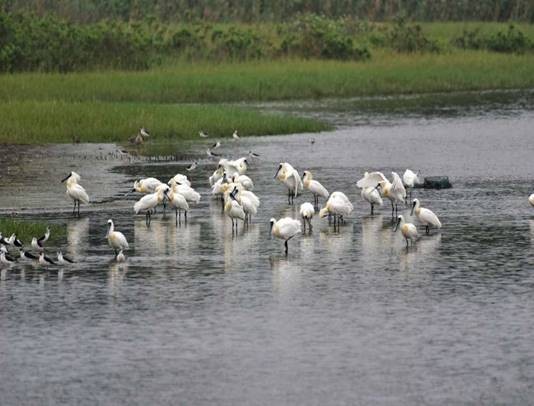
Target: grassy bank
x=388 y=73
x=33 y=122
x=26 y=229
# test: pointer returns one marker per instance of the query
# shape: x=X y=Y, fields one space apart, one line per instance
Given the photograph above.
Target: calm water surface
x=198 y=316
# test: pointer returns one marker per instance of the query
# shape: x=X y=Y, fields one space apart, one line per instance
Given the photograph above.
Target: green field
x=178 y=98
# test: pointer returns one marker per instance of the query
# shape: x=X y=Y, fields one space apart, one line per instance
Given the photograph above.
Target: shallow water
x=198 y=316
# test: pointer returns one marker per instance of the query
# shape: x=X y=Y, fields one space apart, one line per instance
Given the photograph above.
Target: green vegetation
x=278 y=10
x=26 y=229
x=62 y=122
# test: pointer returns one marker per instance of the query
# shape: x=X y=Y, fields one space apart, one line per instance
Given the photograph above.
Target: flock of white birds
x=234 y=188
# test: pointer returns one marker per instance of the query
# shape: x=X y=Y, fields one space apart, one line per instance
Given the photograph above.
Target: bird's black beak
x=276 y=174
x=68 y=176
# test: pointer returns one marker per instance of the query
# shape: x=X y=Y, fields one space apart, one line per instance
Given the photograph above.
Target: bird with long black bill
x=75 y=191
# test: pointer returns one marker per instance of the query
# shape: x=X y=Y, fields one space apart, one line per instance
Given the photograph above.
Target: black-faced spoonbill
x=425 y=216
x=116 y=240
x=306 y=212
x=315 y=187
x=408 y=230
x=285 y=229
x=290 y=177
x=337 y=205
x=75 y=191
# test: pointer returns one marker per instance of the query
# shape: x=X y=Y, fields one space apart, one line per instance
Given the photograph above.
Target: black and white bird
x=27 y=255
x=202 y=134
x=211 y=154
x=3 y=241
x=235 y=136
x=13 y=240
x=44 y=260
x=38 y=243
x=6 y=259
x=216 y=145
x=63 y=259
x=253 y=154
x=192 y=167
x=144 y=132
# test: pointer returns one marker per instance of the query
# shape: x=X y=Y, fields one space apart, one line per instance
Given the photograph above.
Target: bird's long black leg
x=304 y=223
x=185 y=216
x=427 y=230
x=287 y=248
x=392 y=210
x=78 y=208
x=176 y=213
x=309 y=225
x=372 y=208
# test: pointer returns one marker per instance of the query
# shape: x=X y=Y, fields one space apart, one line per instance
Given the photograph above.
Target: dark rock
x=435 y=182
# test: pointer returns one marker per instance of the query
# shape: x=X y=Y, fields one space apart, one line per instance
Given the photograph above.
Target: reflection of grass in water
x=54 y=121
x=26 y=229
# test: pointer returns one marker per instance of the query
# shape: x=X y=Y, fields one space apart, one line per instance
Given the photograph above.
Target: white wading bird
x=425 y=216
x=233 y=209
x=179 y=178
x=202 y=134
x=120 y=257
x=394 y=191
x=306 y=212
x=372 y=196
x=5 y=258
x=190 y=194
x=531 y=199
x=192 y=167
x=285 y=229
x=408 y=230
x=248 y=200
x=146 y=186
x=244 y=180
x=149 y=202
x=75 y=191
x=38 y=243
x=290 y=177
x=116 y=239
x=235 y=136
x=315 y=187
x=178 y=201
x=339 y=206
x=409 y=179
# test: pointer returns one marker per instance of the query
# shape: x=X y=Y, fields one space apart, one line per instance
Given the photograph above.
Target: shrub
x=407 y=38
x=511 y=41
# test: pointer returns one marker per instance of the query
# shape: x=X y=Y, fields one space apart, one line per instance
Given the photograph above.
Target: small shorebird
x=192 y=167
x=235 y=136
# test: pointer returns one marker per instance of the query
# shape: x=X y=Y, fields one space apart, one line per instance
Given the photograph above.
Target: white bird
x=63 y=259
x=120 y=257
x=233 y=209
x=116 y=240
x=290 y=177
x=285 y=229
x=244 y=180
x=13 y=240
x=252 y=155
x=44 y=260
x=409 y=179
x=38 y=243
x=147 y=185
x=315 y=187
x=337 y=205
x=75 y=191
x=306 y=212
x=144 y=133
x=394 y=191
x=27 y=255
x=408 y=230
x=190 y=194
x=217 y=175
x=248 y=201
x=372 y=196
x=425 y=216
x=179 y=178
x=216 y=145
x=531 y=199
x=149 y=202
x=235 y=136
x=202 y=134
x=192 y=167
x=179 y=202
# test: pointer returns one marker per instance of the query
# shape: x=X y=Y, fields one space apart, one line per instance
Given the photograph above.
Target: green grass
x=26 y=229
x=385 y=74
x=29 y=122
